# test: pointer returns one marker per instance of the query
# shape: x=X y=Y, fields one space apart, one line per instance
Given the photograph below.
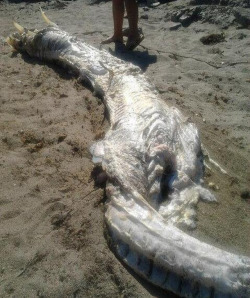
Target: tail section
x=171 y=259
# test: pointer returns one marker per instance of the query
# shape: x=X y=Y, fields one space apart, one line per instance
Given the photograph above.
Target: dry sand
x=52 y=240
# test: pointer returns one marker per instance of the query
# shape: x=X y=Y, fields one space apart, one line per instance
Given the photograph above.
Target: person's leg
x=134 y=37
x=132 y=11
x=118 y=14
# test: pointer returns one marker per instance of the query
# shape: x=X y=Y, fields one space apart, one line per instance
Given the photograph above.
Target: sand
x=51 y=213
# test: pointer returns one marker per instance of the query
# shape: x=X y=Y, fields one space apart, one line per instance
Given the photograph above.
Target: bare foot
x=112 y=39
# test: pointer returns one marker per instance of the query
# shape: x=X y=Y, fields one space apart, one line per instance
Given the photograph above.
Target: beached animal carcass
x=152 y=157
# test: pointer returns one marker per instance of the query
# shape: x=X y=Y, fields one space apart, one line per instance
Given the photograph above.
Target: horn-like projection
x=19 y=28
x=46 y=19
x=10 y=43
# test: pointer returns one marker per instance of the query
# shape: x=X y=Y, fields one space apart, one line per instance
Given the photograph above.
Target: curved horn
x=46 y=19
x=19 y=28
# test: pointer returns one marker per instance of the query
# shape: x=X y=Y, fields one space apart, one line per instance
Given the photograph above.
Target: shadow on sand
x=141 y=59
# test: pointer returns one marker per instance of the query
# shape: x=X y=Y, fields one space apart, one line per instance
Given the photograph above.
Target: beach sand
x=52 y=241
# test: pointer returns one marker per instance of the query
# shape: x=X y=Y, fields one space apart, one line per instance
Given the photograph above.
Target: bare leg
x=134 y=37
x=118 y=14
x=132 y=11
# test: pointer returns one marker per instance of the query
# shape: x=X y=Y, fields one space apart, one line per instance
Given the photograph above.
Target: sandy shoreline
x=51 y=215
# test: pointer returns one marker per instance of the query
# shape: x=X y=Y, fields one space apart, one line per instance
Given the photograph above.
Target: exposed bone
x=11 y=43
x=46 y=19
x=212 y=161
x=22 y=30
x=19 y=28
x=31 y=33
x=8 y=40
